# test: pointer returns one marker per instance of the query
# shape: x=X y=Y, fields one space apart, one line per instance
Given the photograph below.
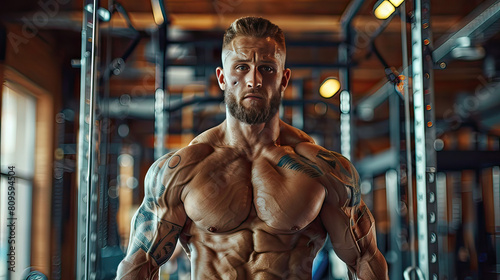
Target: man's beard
x=254 y=114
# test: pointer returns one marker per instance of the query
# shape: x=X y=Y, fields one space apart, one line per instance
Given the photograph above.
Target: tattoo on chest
x=301 y=164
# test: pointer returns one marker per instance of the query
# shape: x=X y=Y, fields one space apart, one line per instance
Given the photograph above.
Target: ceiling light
x=396 y=3
x=158 y=11
x=383 y=9
x=329 y=87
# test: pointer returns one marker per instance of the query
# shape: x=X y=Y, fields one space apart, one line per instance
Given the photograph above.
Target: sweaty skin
x=252 y=201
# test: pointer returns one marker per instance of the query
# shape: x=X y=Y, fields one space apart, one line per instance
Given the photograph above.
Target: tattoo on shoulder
x=332 y=159
x=301 y=164
x=174 y=161
x=154 y=236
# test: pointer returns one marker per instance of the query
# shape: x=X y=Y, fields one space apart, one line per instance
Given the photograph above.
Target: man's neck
x=251 y=138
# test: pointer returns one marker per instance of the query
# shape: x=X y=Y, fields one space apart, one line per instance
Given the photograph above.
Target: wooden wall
x=32 y=62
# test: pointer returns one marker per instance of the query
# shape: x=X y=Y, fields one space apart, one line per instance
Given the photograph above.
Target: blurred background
x=92 y=92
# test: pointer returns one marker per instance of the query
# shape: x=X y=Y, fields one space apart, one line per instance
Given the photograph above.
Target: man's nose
x=254 y=78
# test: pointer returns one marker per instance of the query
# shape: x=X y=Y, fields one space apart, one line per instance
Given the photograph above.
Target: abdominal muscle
x=252 y=251
x=231 y=234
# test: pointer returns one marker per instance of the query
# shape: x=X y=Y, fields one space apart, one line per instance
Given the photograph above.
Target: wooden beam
x=364 y=24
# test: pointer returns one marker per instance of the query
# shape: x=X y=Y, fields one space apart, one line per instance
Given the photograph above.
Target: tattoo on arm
x=154 y=236
x=163 y=249
x=349 y=178
x=300 y=164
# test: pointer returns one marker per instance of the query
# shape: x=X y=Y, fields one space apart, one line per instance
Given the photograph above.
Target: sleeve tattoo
x=155 y=236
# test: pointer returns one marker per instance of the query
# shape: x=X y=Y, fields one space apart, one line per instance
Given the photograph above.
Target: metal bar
x=442 y=222
x=345 y=124
x=91 y=235
x=87 y=196
x=298 y=118
x=161 y=95
x=409 y=158
x=141 y=107
x=377 y=164
x=490 y=13
x=350 y=12
x=344 y=50
x=496 y=205
x=82 y=151
x=393 y=197
x=394 y=119
x=430 y=138
x=57 y=199
x=425 y=170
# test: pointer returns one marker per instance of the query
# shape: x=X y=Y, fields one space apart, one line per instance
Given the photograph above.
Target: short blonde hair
x=254 y=27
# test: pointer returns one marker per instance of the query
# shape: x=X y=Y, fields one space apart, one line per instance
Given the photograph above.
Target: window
x=18 y=124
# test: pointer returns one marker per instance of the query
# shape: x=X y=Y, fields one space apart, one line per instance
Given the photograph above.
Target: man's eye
x=242 y=67
x=267 y=68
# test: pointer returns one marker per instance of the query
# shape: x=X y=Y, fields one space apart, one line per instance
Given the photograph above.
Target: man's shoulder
x=291 y=136
x=337 y=167
x=312 y=150
x=186 y=156
x=179 y=162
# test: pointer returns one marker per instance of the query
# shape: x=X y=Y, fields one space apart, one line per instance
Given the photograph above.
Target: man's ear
x=287 y=73
x=220 y=78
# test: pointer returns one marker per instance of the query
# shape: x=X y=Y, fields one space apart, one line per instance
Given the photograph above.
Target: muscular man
x=252 y=198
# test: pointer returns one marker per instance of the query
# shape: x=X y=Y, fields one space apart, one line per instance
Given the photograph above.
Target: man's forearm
x=372 y=267
x=138 y=268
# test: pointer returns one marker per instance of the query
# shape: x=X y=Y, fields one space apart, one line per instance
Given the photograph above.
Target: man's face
x=253 y=78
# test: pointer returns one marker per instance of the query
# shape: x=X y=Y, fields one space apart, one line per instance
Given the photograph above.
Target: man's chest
x=281 y=191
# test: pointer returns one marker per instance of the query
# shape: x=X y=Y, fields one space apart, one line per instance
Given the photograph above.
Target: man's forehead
x=262 y=44
x=246 y=47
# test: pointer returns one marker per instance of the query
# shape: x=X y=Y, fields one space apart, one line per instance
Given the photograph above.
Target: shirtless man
x=252 y=198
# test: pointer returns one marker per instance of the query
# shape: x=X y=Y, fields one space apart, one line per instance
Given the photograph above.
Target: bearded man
x=252 y=198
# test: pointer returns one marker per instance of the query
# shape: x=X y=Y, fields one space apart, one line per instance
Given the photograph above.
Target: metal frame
x=496 y=203
x=162 y=99
x=442 y=221
x=479 y=20
x=87 y=173
x=425 y=155
x=344 y=52
x=394 y=256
